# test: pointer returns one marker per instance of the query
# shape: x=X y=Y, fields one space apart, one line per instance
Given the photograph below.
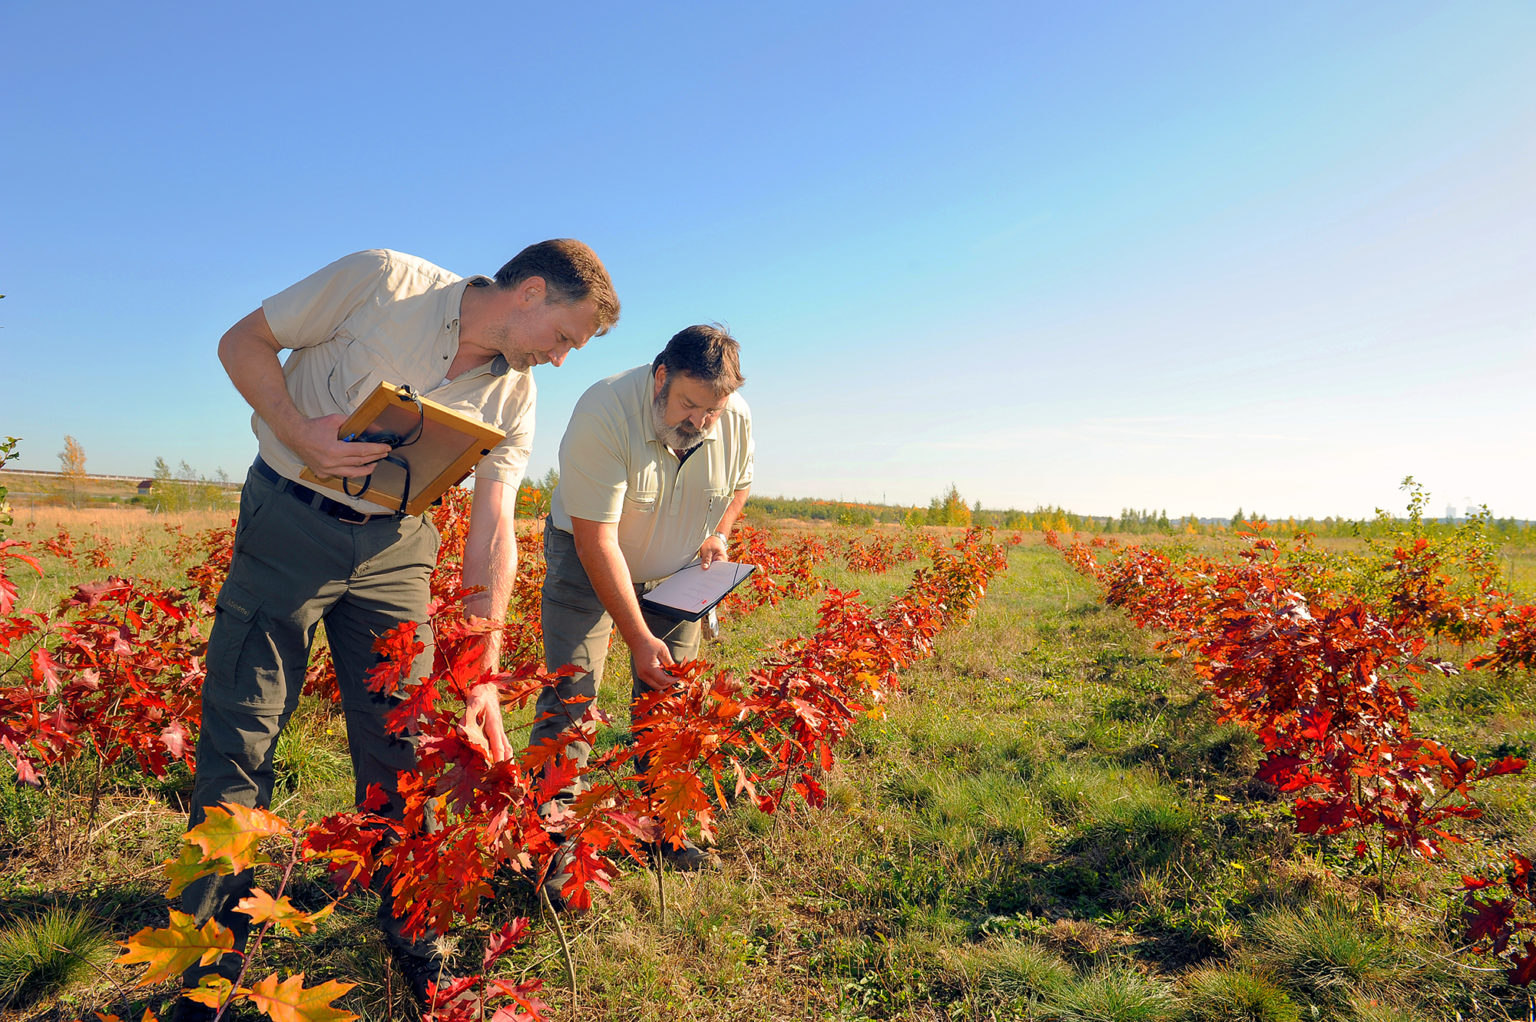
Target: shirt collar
x=453 y=302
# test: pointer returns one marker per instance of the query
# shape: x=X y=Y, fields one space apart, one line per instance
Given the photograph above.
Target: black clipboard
x=692 y=592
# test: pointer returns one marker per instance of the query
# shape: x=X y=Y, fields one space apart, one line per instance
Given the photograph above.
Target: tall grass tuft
x=1324 y=949
x=41 y=957
x=1008 y=970
x=1236 y=995
x=1114 y=995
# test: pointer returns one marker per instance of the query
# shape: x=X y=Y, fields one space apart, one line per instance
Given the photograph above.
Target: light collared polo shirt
x=380 y=315
x=613 y=469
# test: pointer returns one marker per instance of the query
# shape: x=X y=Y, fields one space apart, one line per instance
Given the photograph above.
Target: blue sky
x=1181 y=256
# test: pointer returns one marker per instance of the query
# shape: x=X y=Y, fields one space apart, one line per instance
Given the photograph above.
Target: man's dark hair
x=706 y=353
x=571 y=272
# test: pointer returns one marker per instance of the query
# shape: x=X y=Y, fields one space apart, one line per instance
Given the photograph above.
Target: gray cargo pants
x=294 y=566
x=576 y=631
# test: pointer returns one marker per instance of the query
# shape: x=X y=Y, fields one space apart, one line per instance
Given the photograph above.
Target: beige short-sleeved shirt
x=613 y=469
x=381 y=315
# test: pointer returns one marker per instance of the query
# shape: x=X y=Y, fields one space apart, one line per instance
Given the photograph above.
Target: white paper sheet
x=693 y=590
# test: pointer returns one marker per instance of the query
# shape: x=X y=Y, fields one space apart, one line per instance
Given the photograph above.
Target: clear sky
x=1177 y=255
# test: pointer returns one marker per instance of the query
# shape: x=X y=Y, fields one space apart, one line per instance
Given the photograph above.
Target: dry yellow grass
x=105 y=541
x=118 y=524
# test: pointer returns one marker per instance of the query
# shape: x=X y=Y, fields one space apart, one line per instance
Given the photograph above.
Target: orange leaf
x=190 y=866
x=169 y=951
x=234 y=832
x=289 y=1001
x=263 y=908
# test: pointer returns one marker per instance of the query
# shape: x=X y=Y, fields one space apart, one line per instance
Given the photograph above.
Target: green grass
x=1111 y=994
x=1047 y=824
x=1222 y=994
x=42 y=956
x=1325 y=950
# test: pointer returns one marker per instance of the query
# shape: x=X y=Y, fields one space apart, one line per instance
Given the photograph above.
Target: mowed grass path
x=1046 y=825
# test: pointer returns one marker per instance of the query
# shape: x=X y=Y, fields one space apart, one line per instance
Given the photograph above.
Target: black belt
x=344 y=513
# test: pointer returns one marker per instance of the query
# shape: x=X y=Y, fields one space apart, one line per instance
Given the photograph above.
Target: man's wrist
x=722 y=537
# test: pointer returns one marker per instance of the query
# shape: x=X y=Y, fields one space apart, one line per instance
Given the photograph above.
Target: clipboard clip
x=395 y=441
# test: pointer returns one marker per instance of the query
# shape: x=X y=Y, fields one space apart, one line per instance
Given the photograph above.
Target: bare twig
x=565 y=947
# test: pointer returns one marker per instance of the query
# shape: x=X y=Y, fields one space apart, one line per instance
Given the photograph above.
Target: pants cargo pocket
x=244 y=670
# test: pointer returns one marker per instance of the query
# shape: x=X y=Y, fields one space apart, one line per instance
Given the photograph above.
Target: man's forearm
x=248 y=352
x=490 y=558
x=597 y=545
x=733 y=512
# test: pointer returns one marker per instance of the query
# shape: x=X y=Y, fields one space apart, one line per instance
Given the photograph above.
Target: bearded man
x=655 y=467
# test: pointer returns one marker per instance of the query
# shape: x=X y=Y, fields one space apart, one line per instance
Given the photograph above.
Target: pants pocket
x=244 y=669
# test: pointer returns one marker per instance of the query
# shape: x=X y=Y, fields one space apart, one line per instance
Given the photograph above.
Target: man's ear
x=659 y=380
x=531 y=291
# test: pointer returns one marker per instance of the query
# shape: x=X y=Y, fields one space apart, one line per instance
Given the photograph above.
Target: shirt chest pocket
x=360 y=368
x=641 y=501
x=643 y=494
x=719 y=499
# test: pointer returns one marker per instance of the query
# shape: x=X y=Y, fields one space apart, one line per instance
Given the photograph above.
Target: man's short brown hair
x=571 y=272
x=705 y=352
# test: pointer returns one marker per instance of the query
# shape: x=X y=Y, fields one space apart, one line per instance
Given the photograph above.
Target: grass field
x=1047 y=825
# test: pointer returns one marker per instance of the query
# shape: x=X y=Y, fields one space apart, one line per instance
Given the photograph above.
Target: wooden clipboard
x=442 y=456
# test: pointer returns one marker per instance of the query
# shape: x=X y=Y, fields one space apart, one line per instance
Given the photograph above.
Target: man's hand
x=482 y=719
x=315 y=442
x=651 y=655
x=712 y=550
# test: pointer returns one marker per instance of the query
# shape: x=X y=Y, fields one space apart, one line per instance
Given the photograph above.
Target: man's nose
x=558 y=358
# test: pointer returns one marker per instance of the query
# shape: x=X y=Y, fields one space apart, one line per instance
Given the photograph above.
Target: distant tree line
x=950 y=509
x=187 y=490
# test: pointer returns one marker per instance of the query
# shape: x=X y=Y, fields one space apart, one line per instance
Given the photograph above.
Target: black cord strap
x=396 y=441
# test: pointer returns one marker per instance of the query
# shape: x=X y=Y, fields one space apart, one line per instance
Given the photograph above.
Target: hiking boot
x=419 y=961
x=190 y=1011
x=187 y=1010
x=690 y=857
x=554 y=884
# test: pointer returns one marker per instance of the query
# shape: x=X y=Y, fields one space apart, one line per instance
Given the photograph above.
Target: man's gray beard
x=679 y=437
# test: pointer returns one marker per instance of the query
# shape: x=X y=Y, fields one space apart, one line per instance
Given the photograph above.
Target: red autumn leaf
x=1315 y=724
x=1523 y=969
x=1315 y=816
x=585 y=868
x=808 y=789
x=176 y=741
x=1279 y=770
x=398 y=649
x=1507 y=765
x=504 y=940
x=45 y=669
x=1486 y=919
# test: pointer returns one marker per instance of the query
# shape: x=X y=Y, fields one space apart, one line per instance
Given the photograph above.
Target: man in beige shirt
x=655 y=467
x=302 y=557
